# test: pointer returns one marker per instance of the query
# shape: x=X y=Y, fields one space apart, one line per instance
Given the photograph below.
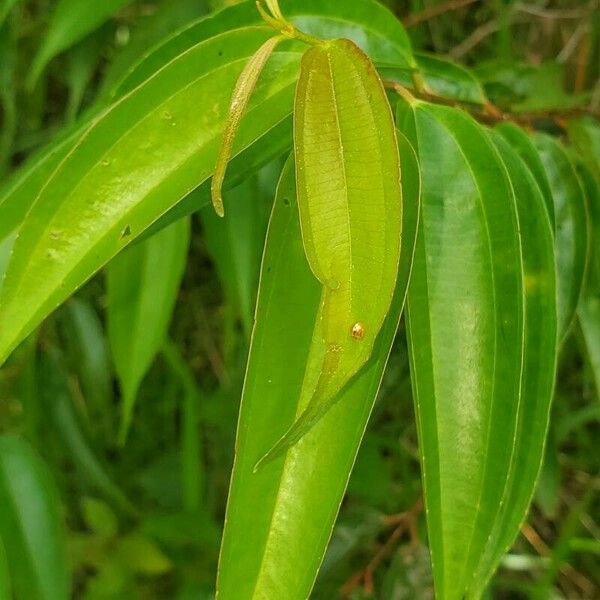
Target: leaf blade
x=31 y=524
x=260 y=556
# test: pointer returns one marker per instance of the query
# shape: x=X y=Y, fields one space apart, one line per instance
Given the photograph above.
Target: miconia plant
x=397 y=179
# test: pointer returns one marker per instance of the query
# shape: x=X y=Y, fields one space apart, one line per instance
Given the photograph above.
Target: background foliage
x=142 y=519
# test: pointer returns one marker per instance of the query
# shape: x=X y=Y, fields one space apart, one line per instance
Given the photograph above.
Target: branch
x=490 y=114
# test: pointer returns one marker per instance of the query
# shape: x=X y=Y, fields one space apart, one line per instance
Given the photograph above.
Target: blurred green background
x=144 y=519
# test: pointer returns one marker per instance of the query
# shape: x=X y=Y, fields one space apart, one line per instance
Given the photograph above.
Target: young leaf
x=142 y=284
x=280 y=518
x=70 y=22
x=571 y=235
x=31 y=525
x=350 y=202
x=466 y=336
x=239 y=102
x=138 y=159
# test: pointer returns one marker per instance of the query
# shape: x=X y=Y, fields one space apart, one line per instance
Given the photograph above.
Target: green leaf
x=58 y=402
x=540 y=350
x=279 y=519
x=88 y=356
x=235 y=244
x=523 y=144
x=571 y=235
x=482 y=342
x=98 y=517
x=585 y=135
x=5 y=587
x=350 y=202
x=20 y=190
x=142 y=284
x=588 y=311
x=70 y=22
x=31 y=525
x=238 y=104
x=148 y=31
x=5 y=7
x=442 y=77
x=82 y=62
x=366 y=22
x=142 y=556
x=138 y=159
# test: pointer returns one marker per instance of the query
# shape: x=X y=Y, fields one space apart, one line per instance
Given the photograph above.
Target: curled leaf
x=239 y=101
x=350 y=204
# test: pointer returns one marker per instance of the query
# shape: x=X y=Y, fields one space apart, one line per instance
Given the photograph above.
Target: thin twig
x=490 y=114
x=404 y=521
x=538 y=544
x=474 y=39
x=566 y=13
x=435 y=11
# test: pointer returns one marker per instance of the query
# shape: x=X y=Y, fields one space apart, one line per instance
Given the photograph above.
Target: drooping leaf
x=540 y=350
x=5 y=587
x=523 y=144
x=88 y=357
x=585 y=136
x=237 y=107
x=70 y=22
x=138 y=159
x=82 y=61
x=57 y=401
x=31 y=526
x=280 y=518
x=481 y=373
x=589 y=320
x=143 y=283
x=588 y=311
x=192 y=469
x=350 y=202
x=571 y=230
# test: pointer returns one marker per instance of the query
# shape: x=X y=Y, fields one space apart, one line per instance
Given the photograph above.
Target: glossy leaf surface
x=31 y=526
x=571 y=234
x=366 y=22
x=523 y=144
x=279 y=519
x=350 y=202
x=143 y=283
x=470 y=371
x=139 y=158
